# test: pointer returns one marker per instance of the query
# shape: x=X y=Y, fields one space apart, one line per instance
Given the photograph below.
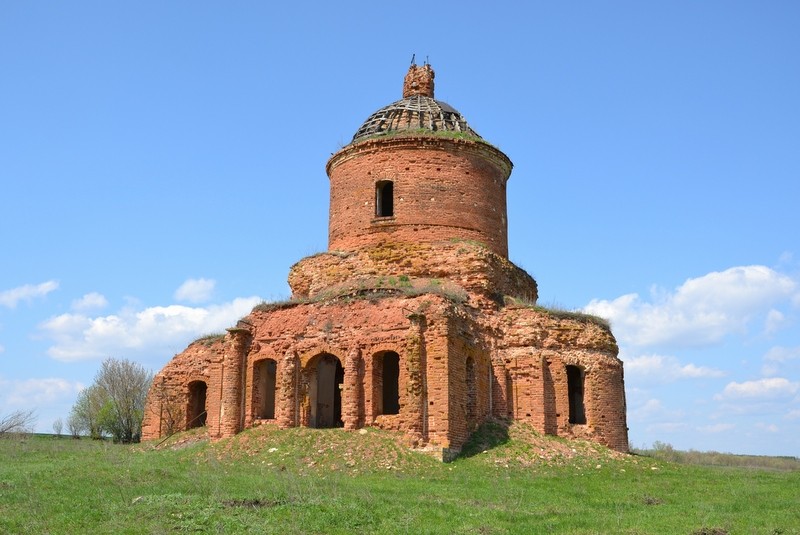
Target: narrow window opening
x=384 y=198
x=472 y=391
x=575 y=379
x=391 y=390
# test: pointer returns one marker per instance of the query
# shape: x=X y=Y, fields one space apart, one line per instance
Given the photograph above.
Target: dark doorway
x=384 y=198
x=196 y=409
x=390 y=376
x=326 y=392
x=577 y=411
x=264 y=380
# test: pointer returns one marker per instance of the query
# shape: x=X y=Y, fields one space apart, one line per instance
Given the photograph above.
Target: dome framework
x=414 y=113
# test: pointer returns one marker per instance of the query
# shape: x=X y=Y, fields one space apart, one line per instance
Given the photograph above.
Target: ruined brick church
x=414 y=319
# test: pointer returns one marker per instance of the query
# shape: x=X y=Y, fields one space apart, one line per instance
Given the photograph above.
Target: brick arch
x=264 y=352
x=477 y=377
x=386 y=370
x=196 y=392
x=318 y=350
x=252 y=407
x=603 y=398
x=558 y=398
x=262 y=387
x=583 y=396
x=321 y=384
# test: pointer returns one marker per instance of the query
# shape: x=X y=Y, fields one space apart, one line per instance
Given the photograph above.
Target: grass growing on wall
x=560 y=312
x=334 y=481
x=209 y=339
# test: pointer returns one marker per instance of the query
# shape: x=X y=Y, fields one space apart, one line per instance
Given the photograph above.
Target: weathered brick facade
x=414 y=319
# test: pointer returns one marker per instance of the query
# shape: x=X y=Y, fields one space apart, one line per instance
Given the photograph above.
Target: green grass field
x=333 y=481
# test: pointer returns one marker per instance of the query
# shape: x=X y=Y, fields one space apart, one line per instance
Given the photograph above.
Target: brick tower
x=416 y=171
x=414 y=319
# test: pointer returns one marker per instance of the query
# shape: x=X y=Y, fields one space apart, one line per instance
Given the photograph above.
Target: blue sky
x=162 y=167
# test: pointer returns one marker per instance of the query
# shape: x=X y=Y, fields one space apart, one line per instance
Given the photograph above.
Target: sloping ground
x=519 y=445
x=267 y=480
x=496 y=444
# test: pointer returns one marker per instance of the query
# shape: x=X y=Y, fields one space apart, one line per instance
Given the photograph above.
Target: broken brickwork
x=414 y=320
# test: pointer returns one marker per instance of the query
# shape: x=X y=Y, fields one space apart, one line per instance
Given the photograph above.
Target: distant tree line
x=114 y=404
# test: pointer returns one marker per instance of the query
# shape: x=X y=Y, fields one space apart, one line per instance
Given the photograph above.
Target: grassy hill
x=510 y=480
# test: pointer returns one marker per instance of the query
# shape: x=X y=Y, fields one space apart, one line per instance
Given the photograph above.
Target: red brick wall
x=536 y=347
x=462 y=263
x=428 y=282
x=169 y=393
x=419 y=81
x=527 y=349
x=443 y=189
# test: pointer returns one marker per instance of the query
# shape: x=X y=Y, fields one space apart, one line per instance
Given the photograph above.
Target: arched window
x=577 y=411
x=384 y=198
x=196 y=409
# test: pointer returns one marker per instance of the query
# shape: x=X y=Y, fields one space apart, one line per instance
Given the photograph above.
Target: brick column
x=233 y=369
x=287 y=401
x=352 y=398
x=416 y=388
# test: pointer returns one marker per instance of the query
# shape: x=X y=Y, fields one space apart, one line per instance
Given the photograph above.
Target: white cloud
x=30 y=393
x=28 y=292
x=769 y=388
x=782 y=354
x=195 y=290
x=163 y=329
x=667 y=427
x=90 y=301
x=701 y=311
x=716 y=428
x=769 y=428
x=647 y=410
x=774 y=321
x=777 y=359
x=653 y=410
x=793 y=415
x=666 y=369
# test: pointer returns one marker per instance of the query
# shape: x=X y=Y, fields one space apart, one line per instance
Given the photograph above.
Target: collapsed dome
x=412 y=114
x=416 y=111
x=416 y=172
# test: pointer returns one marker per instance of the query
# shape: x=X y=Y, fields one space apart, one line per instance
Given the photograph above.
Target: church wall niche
x=196 y=412
x=323 y=381
x=386 y=383
x=264 y=389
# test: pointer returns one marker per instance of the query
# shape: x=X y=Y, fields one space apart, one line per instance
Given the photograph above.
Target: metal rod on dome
x=412 y=59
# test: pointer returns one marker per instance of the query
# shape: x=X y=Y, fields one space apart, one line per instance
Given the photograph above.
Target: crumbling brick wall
x=429 y=280
x=443 y=189
x=454 y=370
x=166 y=408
